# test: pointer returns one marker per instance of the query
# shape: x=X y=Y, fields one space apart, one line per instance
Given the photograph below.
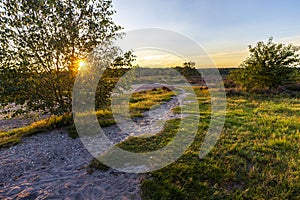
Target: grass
x=144 y=100
x=152 y=143
x=14 y=136
x=139 y=103
x=256 y=157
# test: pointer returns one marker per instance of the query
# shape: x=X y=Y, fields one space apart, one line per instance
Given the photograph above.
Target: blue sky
x=223 y=27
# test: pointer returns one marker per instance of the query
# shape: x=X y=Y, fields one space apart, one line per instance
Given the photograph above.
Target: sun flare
x=81 y=64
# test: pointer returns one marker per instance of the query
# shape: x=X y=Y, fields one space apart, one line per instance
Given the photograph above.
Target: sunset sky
x=224 y=28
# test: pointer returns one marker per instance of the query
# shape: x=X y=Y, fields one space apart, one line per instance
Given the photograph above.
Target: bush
x=268 y=66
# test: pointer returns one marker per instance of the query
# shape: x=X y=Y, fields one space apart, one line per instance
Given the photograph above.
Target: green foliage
x=268 y=66
x=41 y=45
x=110 y=78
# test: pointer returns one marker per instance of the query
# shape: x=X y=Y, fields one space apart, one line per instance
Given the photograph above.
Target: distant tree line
x=187 y=70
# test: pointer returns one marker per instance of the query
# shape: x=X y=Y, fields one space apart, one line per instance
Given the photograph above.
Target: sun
x=81 y=64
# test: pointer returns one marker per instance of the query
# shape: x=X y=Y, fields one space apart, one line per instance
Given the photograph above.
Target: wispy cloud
x=229 y=58
x=295 y=40
x=157 y=58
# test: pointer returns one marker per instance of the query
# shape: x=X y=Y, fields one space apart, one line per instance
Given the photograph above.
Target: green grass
x=256 y=157
x=14 y=136
x=143 y=101
x=140 y=102
x=141 y=144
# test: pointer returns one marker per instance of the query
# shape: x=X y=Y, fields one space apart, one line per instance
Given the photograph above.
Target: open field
x=257 y=156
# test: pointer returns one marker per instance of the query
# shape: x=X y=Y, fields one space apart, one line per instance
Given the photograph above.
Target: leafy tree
x=111 y=76
x=268 y=66
x=42 y=43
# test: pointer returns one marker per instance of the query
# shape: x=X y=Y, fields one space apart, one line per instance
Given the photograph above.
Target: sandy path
x=53 y=166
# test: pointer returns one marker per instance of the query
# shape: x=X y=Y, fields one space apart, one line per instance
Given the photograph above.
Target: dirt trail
x=53 y=166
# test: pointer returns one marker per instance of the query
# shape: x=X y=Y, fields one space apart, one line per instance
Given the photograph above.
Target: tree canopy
x=268 y=66
x=42 y=44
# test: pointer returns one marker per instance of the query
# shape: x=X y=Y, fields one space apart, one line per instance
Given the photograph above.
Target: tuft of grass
x=96 y=165
x=155 y=142
x=14 y=136
x=144 y=100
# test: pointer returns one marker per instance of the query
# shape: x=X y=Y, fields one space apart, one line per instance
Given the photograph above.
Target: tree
x=188 y=69
x=42 y=43
x=268 y=66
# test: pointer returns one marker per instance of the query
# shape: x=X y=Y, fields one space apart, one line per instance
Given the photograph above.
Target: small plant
x=95 y=164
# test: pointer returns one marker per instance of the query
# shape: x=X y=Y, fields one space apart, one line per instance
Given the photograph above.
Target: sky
x=223 y=28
